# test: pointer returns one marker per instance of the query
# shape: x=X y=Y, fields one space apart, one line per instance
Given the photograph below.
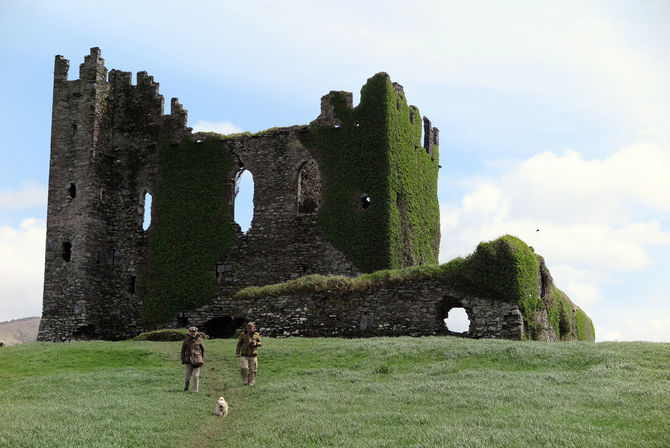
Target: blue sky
x=552 y=116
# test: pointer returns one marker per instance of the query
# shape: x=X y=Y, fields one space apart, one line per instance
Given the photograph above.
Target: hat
x=193 y=329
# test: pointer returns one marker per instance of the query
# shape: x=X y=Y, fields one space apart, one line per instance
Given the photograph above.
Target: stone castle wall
x=106 y=137
x=103 y=161
x=415 y=308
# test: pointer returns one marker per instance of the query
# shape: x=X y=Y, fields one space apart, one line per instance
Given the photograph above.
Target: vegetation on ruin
x=585 y=329
x=376 y=153
x=559 y=312
x=502 y=269
x=414 y=230
x=378 y=392
x=192 y=190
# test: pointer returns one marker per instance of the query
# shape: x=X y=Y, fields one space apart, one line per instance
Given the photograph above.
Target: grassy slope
x=437 y=391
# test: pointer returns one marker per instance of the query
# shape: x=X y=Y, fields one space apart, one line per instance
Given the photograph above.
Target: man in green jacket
x=193 y=357
x=247 y=351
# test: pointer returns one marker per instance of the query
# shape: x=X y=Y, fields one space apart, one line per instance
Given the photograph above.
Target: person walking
x=193 y=357
x=247 y=351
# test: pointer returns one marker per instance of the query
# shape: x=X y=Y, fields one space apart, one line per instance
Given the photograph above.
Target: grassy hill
x=381 y=392
x=19 y=331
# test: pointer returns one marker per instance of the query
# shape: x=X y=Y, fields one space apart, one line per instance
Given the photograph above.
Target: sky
x=553 y=116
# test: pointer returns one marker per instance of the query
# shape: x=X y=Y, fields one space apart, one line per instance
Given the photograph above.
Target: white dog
x=221 y=407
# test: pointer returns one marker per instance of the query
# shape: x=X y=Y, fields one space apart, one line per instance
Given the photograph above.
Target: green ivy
x=415 y=211
x=190 y=199
x=559 y=312
x=376 y=153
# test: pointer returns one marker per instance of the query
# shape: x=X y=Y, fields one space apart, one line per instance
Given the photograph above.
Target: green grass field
x=382 y=392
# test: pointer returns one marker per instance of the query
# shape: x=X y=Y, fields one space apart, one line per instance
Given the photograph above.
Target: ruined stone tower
x=355 y=191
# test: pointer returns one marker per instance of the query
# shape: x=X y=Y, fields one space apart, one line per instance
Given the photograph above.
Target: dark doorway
x=223 y=327
x=85 y=333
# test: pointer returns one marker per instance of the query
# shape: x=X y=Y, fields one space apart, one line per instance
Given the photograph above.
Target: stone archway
x=449 y=303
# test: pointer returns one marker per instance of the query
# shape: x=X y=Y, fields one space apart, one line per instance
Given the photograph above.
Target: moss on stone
x=559 y=313
x=414 y=227
x=585 y=329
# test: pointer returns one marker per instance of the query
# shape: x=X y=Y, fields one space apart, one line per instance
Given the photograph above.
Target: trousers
x=192 y=372
x=248 y=368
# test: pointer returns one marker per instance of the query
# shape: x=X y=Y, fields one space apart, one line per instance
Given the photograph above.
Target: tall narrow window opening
x=147 y=211
x=67 y=251
x=244 y=199
x=72 y=191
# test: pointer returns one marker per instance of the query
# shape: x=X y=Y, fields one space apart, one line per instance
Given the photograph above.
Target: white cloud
x=22 y=269
x=221 y=127
x=29 y=195
x=599 y=190
x=597 y=211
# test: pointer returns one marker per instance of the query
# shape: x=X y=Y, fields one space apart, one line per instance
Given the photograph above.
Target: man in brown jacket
x=247 y=351
x=193 y=357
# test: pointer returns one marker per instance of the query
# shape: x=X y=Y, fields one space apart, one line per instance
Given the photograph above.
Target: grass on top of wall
x=502 y=269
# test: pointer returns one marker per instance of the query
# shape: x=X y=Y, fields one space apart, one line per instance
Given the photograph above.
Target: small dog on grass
x=221 y=407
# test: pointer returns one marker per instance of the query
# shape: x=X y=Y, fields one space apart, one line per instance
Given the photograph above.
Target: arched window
x=244 y=199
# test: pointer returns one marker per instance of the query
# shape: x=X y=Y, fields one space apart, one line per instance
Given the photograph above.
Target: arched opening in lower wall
x=457 y=319
x=223 y=326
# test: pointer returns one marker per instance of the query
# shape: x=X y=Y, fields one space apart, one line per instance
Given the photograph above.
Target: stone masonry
x=415 y=308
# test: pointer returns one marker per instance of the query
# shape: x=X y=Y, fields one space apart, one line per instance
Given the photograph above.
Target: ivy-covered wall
x=414 y=221
x=505 y=270
x=191 y=228
x=379 y=201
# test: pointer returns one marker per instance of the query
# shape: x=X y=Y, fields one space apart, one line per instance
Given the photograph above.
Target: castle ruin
x=353 y=192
